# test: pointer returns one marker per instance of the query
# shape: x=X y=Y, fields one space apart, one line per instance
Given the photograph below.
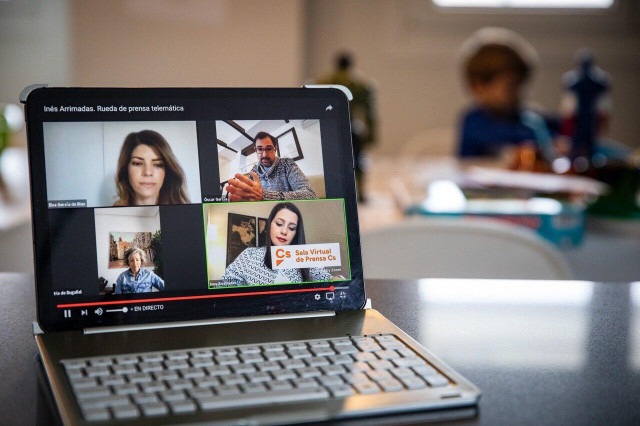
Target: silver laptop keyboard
x=180 y=382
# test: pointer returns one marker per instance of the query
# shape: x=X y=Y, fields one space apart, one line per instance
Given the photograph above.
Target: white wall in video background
x=121 y=220
x=81 y=158
x=307 y=133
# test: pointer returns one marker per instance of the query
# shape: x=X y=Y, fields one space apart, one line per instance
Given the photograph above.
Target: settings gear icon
x=317 y=296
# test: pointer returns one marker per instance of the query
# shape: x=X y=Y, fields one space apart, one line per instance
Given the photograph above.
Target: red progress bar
x=207 y=296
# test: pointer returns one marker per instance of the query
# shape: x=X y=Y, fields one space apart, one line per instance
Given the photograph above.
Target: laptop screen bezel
x=50 y=318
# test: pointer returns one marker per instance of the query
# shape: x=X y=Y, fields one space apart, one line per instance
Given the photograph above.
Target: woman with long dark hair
x=148 y=172
x=254 y=265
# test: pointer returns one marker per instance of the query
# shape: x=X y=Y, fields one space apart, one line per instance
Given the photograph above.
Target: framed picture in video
x=289 y=145
x=120 y=242
x=241 y=233
x=262 y=232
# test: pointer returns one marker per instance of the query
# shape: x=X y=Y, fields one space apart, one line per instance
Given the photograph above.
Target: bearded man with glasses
x=272 y=178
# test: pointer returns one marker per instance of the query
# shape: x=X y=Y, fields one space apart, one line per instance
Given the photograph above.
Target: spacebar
x=261 y=398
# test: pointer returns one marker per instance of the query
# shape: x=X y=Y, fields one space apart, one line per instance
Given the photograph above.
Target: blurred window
x=528 y=4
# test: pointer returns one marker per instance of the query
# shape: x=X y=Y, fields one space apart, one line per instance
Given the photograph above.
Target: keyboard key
x=226 y=351
x=343 y=359
x=360 y=366
x=179 y=384
x=76 y=373
x=253 y=388
x=152 y=387
x=413 y=382
x=260 y=377
x=96 y=392
x=205 y=382
x=340 y=391
x=391 y=385
x=226 y=360
x=263 y=398
x=408 y=362
x=104 y=402
x=227 y=390
x=74 y=364
x=330 y=380
x=192 y=373
x=346 y=349
x=176 y=356
x=366 y=388
x=218 y=370
x=83 y=383
x=388 y=354
x=139 y=378
x=250 y=350
x=273 y=348
x=173 y=395
x=402 y=373
x=125 y=369
x=201 y=353
x=126 y=412
x=268 y=366
x=424 y=370
x=323 y=351
x=154 y=409
x=331 y=370
x=101 y=362
x=96 y=415
x=380 y=365
x=176 y=364
x=355 y=378
x=341 y=342
x=365 y=357
x=244 y=368
x=280 y=385
x=300 y=353
x=113 y=380
x=308 y=372
x=436 y=380
x=319 y=344
x=145 y=398
x=200 y=392
x=128 y=389
x=234 y=379
x=166 y=375
x=202 y=362
x=182 y=407
x=284 y=374
x=251 y=357
x=296 y=345
x=147 y=367
x=152 y=358
x=291 y=364
x=276 y=356
x=317 y=361
x=379 y=375
x=97 y=371
x=305 y=383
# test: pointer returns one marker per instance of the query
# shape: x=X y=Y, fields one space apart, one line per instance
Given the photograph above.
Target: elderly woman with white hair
x=135 y=279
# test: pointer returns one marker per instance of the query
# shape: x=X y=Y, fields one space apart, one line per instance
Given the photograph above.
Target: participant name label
x=305 y=256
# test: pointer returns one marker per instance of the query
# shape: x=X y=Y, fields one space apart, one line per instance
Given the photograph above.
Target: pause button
x=67 y=313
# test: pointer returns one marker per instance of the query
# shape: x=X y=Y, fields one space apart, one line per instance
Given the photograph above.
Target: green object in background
x=4 y=133
x=622 y=199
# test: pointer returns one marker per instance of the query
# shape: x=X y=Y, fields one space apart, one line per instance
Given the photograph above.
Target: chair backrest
x=460 y=248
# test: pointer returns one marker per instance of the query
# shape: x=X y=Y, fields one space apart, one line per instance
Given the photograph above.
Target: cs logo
x=281 y=254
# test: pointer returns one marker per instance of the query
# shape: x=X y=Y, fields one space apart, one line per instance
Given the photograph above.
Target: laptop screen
x=155 y=205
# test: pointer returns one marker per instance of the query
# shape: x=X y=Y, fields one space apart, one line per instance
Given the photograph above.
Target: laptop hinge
x=153 y=326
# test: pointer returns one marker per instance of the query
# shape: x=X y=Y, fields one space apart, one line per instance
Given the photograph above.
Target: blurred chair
x=460 y=248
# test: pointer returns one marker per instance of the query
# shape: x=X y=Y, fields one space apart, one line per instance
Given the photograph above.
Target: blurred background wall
x=409 y=47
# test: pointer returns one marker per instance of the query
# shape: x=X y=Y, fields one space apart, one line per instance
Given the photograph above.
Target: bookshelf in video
x=167 y=210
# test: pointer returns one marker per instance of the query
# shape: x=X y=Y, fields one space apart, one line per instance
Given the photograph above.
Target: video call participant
x=135 y=279
x=273 y=178
x=148 y=173
x=254 y=267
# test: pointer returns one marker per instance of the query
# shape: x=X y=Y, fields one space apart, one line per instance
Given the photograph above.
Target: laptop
x=197 y=260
